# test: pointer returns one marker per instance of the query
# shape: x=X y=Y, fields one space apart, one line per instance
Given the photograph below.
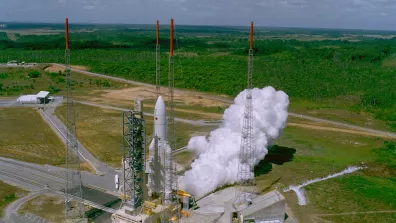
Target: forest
x=335 y=68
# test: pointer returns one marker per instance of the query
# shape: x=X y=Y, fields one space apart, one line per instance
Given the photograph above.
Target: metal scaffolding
x=73 y=211
x=170 y=187
x=245 y=177
x=133 y=143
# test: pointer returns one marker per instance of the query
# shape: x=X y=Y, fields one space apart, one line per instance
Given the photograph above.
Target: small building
x=41 y=98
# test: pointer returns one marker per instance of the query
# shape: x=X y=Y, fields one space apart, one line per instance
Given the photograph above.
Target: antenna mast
x=245 y=177
x=157 y=59
x=73 y=188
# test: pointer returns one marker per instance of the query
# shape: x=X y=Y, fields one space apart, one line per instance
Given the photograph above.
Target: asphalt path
x=11 y=212
x=35 y=177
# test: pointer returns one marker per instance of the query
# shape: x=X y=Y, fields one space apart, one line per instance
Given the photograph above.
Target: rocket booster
x=160 y=119
x=156 y=159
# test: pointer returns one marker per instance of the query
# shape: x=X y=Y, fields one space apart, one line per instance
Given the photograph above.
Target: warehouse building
x=41 y=98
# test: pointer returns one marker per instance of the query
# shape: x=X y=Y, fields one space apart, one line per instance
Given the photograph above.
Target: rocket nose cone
x=160 y=103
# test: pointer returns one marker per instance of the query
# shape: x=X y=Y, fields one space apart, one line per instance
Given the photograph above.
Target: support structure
x=133 y=142
x=73 y=211
x=170 y=187
x=157 y=60
x=245 y=177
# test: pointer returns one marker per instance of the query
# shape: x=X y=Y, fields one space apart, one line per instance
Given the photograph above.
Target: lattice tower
x=73 y=211
x=170 y=187
x=245 y=177
x=134 y=143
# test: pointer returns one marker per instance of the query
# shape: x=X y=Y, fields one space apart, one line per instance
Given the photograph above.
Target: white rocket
x=155 y=165
x=160 y=119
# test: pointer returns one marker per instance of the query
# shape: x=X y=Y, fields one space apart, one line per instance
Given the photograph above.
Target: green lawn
x=27 y=137
x=304 y=154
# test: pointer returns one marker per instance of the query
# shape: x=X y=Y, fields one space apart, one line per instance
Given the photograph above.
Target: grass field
x=17 y=81
x=100 y=131
x=9 y=194
x=390 y=62
x=304 y=154
x=27 y=137
x=48 y=207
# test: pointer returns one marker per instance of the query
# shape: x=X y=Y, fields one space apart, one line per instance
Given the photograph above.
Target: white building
x=41 y=98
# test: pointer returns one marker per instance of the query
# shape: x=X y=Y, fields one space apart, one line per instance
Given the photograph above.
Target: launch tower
x=245 y=177
x=133 y=138
x=74 y=211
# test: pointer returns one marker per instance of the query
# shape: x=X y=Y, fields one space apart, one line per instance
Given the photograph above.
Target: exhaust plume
x=218 y=155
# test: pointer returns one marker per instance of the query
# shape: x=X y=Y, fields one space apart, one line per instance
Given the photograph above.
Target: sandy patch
x=56 y=68
x=221 y=54
x=147 y=93
x=11 y=36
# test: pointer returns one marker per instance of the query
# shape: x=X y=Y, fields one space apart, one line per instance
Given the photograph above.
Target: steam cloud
x=218 y=156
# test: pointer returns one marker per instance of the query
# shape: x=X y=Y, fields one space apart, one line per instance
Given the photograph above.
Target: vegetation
x=28 y=138
x=8 y=194
x=17 y=81
x=342 y=75
x=34 y=74
x=302 y=154
x=339 y=69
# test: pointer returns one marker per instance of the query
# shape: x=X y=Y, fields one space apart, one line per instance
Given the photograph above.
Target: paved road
x=61 y=130
x=229 y=101
x=35 y=177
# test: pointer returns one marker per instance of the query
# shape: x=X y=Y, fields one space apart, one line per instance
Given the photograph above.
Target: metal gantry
x=73 y=211
x=170 y=186
x=245 y=177
x=133 y=143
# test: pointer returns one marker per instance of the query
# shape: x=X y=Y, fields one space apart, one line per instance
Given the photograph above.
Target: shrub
x=3 y=75
x=53 y=89
x=34 y=74
x=61 y=80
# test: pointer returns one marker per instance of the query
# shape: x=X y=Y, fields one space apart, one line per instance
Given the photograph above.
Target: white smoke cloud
x=218 y=156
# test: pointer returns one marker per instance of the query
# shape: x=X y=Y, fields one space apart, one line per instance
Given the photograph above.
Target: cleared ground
x=26 y=137
x=48 y=207
x=9 y=194
x=100 y=131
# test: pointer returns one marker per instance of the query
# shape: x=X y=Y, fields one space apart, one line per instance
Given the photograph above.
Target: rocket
x=160 y=119
x=155 y=165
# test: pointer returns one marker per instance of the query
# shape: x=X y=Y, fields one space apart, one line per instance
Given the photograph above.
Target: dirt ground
x=147 y=93
x=56 y=68
x=11 y=36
